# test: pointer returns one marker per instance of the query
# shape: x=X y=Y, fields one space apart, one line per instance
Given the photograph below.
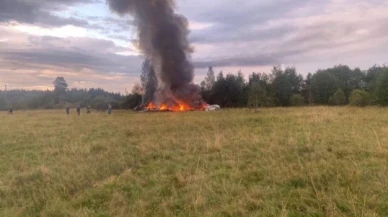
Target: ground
x=313 y=161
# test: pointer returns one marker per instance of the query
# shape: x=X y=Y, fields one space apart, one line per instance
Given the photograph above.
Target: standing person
x=10 y=110
x=109 y=109
x=88 y=110
x=67 y=110
x=78 y=109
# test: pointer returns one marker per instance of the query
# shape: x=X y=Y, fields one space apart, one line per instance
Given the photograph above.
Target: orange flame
x=180 y=107
x=163 y=107
x=151 y=106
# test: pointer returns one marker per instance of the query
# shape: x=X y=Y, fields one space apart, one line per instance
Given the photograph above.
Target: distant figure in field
x=78 y=109
x=88 y=110
x=109 y=109
x=10 y=110
x=67 y=110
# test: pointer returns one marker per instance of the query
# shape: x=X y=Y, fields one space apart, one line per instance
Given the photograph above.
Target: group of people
x=78 y=109
x=88 y=109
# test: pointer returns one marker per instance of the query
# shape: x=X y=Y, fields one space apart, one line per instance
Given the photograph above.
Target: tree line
x=60 y=97
x=339 y=85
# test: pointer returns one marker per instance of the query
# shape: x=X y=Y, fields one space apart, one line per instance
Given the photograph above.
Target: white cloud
x=199 y=26
x=62 y=32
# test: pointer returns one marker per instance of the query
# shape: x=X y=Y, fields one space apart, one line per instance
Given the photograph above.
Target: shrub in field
x=338 y=98
x=297 y=100
x=360 y=98
x=331 y=101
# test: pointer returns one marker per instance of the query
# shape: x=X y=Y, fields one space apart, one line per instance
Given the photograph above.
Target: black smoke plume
x=162 y=36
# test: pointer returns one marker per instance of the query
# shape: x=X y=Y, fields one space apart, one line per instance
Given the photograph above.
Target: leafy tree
x=60 y=87
x=218 y=94
x=323 y=85
x=348 y=79
x=258 y=89
x=60 y=84
x=372 y=76
x=256 y=95
x=382 y=88
x=356 y=80
x=242 y=90
x=360 y=98
x=234 y=90
x=229 y=91
x=209 y=79
x=285 y=84
x=149 y=81
x=207 y=86
x=306 y=88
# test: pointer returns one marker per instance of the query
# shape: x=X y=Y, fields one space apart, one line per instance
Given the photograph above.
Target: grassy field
x=316 y=161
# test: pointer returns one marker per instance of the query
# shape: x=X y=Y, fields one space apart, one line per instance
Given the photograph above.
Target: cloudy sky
x=84 y=42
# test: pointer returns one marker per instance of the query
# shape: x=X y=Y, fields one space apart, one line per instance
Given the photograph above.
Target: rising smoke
x=163 y=40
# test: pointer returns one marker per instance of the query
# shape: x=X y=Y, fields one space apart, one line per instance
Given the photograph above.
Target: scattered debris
x=212 y=108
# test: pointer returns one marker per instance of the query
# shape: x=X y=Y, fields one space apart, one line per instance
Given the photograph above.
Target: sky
x=90 y=46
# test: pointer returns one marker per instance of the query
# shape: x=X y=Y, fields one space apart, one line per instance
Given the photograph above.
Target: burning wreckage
x=162 y=38
x=187 y=100
x=151 y=107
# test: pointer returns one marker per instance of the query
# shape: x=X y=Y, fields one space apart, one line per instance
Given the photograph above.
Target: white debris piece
x=212 y=108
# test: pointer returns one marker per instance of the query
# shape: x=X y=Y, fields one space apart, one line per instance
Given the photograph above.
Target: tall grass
x=316 y=161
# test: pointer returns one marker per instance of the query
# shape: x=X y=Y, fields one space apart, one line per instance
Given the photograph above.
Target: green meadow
x=309 y=161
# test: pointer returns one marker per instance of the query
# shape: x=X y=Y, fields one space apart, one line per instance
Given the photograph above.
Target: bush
x=338 y=98
x=331 y=101
x=360 y=98
x=102 y=102
x=297 y=100
x=382 y=89
x=131 y=101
